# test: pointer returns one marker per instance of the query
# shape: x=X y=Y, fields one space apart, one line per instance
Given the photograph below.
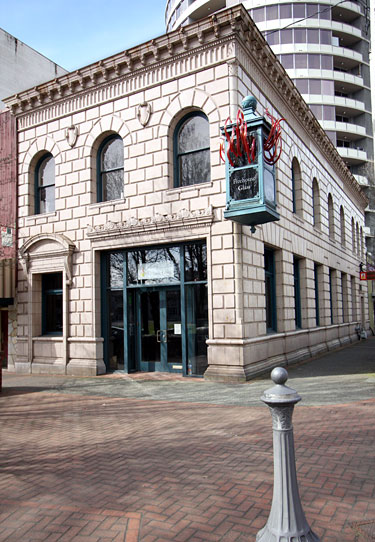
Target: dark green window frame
x=52 y=304
x=177 y=155
x=190 y=277
x=297 y=293
x=270 y=290
x=331 y=294
x=316 y=284
x=40 y=189
x=294 y=207
x=101 y=172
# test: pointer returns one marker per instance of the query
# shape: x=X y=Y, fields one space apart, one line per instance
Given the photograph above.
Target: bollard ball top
x=279 y=375
x=280 y=394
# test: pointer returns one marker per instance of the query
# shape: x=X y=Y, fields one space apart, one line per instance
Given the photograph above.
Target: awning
x=7 y=280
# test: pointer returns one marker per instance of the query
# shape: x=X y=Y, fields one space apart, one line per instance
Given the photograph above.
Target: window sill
x=177 y=189
x=48 y=338
x=99 y=204
x=40 y=215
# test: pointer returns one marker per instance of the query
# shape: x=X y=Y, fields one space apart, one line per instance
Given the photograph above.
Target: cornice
x=166 y=58
x=261 y=54
x=133 y=62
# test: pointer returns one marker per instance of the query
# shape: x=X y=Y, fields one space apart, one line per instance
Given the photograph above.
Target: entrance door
x=159 y=332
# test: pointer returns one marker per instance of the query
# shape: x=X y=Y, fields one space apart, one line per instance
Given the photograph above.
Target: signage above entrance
x=155 y=271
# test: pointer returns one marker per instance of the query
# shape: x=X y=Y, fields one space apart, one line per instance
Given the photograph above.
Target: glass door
x=159 y=329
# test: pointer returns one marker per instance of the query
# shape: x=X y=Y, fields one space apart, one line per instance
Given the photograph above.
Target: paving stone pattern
x=99 y=469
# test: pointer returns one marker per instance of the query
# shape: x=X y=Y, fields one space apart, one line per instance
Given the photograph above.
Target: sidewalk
x=81 y=465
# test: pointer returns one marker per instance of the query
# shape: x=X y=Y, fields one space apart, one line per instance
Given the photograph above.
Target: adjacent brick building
x=126 y=259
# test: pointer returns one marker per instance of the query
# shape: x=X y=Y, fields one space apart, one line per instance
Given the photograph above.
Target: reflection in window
x=116 y=270
x=52 y=304
x=111 y=169
x=197 y=328
x=154 y=266
x=45 y=185
x=192 y=150
x=195 y=262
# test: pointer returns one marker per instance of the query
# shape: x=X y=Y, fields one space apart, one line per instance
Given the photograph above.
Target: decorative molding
x=71 y=135
x=182 y=219
x=63 y=248
x=144 y=111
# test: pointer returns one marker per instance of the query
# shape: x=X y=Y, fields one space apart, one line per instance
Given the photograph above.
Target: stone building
x=127 y=261
x=20 y=67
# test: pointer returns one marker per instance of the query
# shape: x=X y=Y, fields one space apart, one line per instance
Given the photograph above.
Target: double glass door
x=159 y=331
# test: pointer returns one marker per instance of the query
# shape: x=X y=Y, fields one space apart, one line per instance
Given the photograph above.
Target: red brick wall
x=8 y=185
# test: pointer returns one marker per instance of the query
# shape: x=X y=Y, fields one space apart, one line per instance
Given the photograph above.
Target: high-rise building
x=324 y=46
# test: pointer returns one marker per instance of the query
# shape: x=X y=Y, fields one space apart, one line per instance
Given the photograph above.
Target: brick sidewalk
x=91 y=469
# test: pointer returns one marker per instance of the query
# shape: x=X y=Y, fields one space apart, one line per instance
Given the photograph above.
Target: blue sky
x=74 y=33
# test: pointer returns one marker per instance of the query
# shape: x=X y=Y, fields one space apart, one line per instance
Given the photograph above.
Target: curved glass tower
x=324 y=46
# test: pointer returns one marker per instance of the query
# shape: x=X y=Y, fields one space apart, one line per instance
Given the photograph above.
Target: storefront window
x=154 y=266
x=163 y=325
x=195 y=262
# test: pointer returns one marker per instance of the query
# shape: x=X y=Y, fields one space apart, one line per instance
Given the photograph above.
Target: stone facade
x=141 y=95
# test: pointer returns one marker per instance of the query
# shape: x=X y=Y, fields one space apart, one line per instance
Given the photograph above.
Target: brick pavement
x=93 y=469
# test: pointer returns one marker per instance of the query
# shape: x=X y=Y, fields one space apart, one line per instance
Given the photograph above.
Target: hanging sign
x=250 y=149
x=367 y=275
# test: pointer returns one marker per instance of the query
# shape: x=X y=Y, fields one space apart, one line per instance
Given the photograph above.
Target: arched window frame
x=316 y=204
x=342 y=226
x=296 y=187
x=40 y=188
x=100 y=172
x=331 y=221
x=353 y=237
x=177 y=155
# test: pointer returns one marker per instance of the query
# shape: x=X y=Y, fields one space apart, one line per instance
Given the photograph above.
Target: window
x=296 y=187
x=316 y=204
x=354 y=298
x=344 y=297
x=357 y=239
x=52 y=313
x=353 y=236
x=317 y=272
x=342 y=225
x=297 y=293
x=270 y=289
x=192 y=150
x=45 y=185
x=331 y=226
x=330 y=276
x=110 y=169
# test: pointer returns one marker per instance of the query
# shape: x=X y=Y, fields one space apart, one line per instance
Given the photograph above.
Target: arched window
x=45 y=184
x=110 y=169
x=357 y=238
x=316 y=204
x=192 y=150
x=296 y=187
x=331 y=224
x=353 y=236
x=342 y=225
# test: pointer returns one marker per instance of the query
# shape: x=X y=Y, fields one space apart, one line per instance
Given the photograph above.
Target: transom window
x=110 y=167
x=45 y=185
x=192 y=150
